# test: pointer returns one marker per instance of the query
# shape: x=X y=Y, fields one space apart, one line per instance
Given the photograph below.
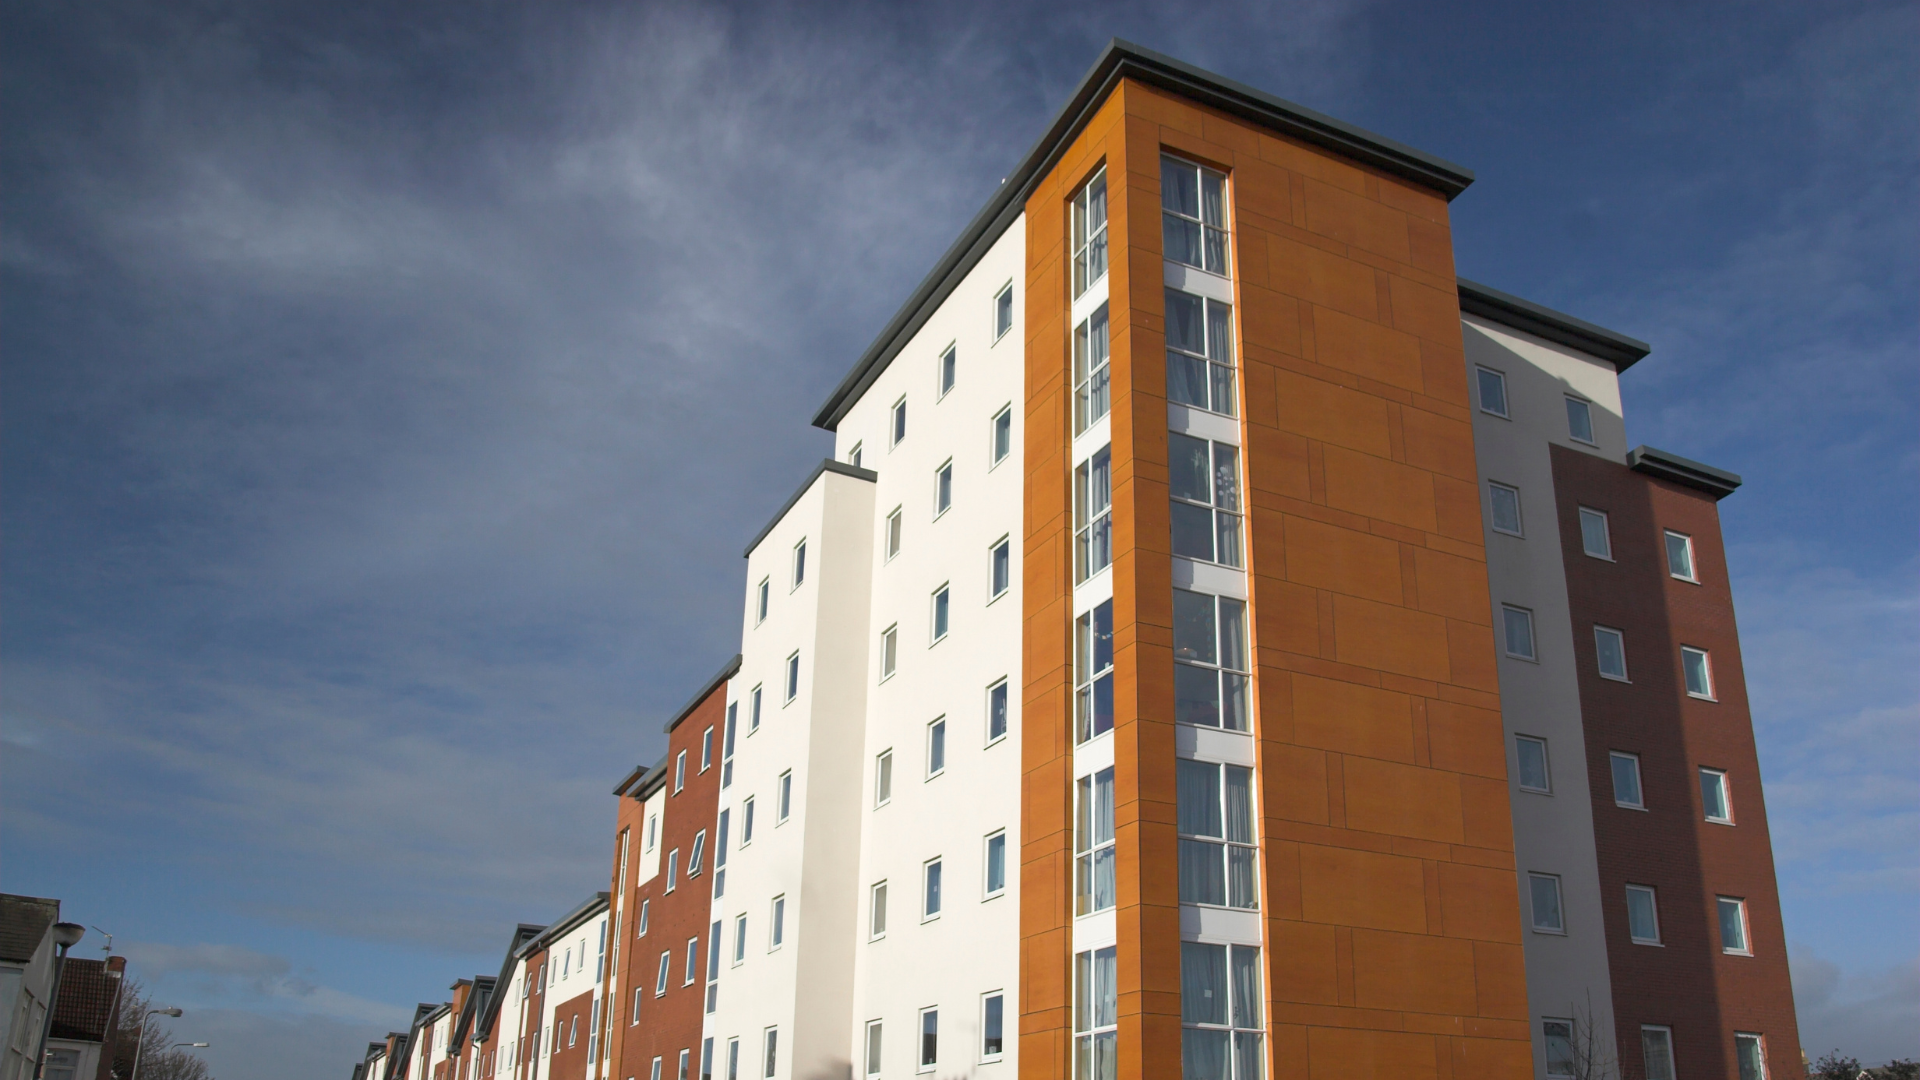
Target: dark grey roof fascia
x=1718 y=483
x=827 y=466
x=1543 y=322
x=655 y=779
x=593 y=906
x=630 y=779
x=521 y=933
x=1123 y=59
x=693 y=703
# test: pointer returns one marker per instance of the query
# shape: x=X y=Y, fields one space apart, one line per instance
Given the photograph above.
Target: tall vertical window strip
x=1210 y=647
x=1093 y=672
x=1215 y=821
x=1091 y=396
x=1220 y=1012
x=1093 y=514
x=1093 y=844
x=1090 y=233
x=1096 y=1015
x=1204 y=479
x=726 y=744
x=1200 y=352
x=1193 y=214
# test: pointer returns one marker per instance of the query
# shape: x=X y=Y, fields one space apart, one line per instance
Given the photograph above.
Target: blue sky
x=390 y=388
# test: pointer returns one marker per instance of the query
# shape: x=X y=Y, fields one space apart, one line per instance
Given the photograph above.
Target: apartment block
x=1225 y=644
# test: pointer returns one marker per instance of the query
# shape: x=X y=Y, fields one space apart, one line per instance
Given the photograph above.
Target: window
x=1215 y=821
x=778 y=923
x=1096 y=1014
x=1531 y=755
x=673 y=860
x=1094 y=886
x=936 y=747
x=740 y=939
x=1220 y=1011
x=1193 y=215
x=720 y=854
x=706 y=750
x=713 y=975
x=1656 y=1049
x=683 y=1065
x=1506 y=508
x=854 y=455
x=996 y=861
x=1714 y=799
x=783 y=805
x=772 y=1042
x=733 y=1060
x=656 y=1069
x=753 y=711
x=746 y=822
x=1626 y=781
x=883 y=778
x=1518 y=623
x=889 y=651
x=698 y=855
x=726 y=744
x=1594 y=538
x=1751 y=1052
x=1643 y=915
x=679 y=771
x=799 y=564
x=1544 y=892
x=1580 y=421
x=999 y=568
x=873 y=1047
x=692 y=971
x=645 y=905
x=930 y=893
x=1210 y=647
x=1003 y=311
x=1610 y=650
x=660 y=980
x=996 y=712
x=1733 y=927
x=894 y=526
x=1000 y=439
x=62 y=1064
x=1204 y=480
x=1559 y=1039
x=1090 y=233
x=898 y=430
x=793 y=677
x=949 y=368
x=1199 y=352
x=1093 y=672
x=943 y=488
x=929 y=1039
x=942 y=609
x=1680 y=556
x=760 y=601
x=1699 y=672
x=1093 y=515
x=877 y=911
x=993 y=1026
x=639 y=992
x=1092 y=381
x=706 y=1056
x=1493 y=391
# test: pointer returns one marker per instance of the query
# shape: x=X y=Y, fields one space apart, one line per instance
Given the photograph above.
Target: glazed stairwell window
x=1093 y=672
x=1220 y=988
x=1193 y=214
x=1200 y=352
x=1093 y=515
x=1096 y=1014
x=1210 y=647
x=1215 y=820
x=1093 y=844
x=1090 y=233
x=1091 y=396
x=1204 y=479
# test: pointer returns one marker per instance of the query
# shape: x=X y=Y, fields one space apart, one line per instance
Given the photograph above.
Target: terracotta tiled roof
x=89 y=990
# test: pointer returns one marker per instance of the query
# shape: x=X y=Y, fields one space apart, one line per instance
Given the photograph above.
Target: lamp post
x=65 y=936
x=140 y=1041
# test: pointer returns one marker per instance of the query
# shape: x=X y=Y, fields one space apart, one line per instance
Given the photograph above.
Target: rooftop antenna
x=108 y=947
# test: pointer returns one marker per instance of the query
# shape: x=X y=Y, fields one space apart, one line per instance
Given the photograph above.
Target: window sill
x=1504 y=532
x=1702 y=697
x=1523 y=659
x=1650 y=944
x=993 y=896
x=1616 y=678
x=1002 y=737
x=1736 y=952
x=1548 y=930
x=1534 y=790
x=1629 y=806
x=1686 y=580
x=1599 y=558
x=1719 y=821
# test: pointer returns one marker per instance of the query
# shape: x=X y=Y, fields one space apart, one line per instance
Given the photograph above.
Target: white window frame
x=883 y=778
x=1092 y=374
x=1559 y=904
x=739 y=939
x=1546 y=764
x=777 y=923
x=691 y=974
x=873 y=1046
x=763 y=600
x=790 y=684
x=754 y=699
x=892 y=534
x=1480 y=399
x=932 y=892
x=921 y=1062
x=987 y=891
x=1621 y=637
x=1639 y=779
x=770 y=1046
x=1666 y=1045
x=1002 y=547
x=1593 y=437
x=1726 y=796
x=1588 y=513
x=661 y=977
x=854 y=455
x=673 y=870
x=697 y=856
x=877 y=910
x=783 y=798
x=1532 y=653
x=1519 y=512
x=942 y=489
x=1760 y=1043
x=995 y=455
x=1093 y=522
x=797 y=565
x=1746 y=926
x=706 y=749
x=1224 y=227
x=989 y=1056
x=1692 y=577
x=1706 y=669
x=897 y=423
x=1225 y=510
x=993 y=313
x=947 y=362
x=645 y=906
x=1547 y=1058
x=1653 y=906
x=1006 y=696
x=936 y=744
x=943 y=595
x=746 y=821
x=1085 y=241
x=679 y=772
x=889 y=652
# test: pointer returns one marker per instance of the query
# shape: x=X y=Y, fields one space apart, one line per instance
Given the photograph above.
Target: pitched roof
x=23 y=924
x=89 y=993
x=523 y=933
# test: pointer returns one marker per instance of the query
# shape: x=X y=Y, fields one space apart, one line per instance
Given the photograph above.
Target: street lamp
x=140 y=1041
x=65 y=936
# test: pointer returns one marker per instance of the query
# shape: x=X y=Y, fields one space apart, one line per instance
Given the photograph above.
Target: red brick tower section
x=531 y=1043
x=643 y=1022
x=1695 y=981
